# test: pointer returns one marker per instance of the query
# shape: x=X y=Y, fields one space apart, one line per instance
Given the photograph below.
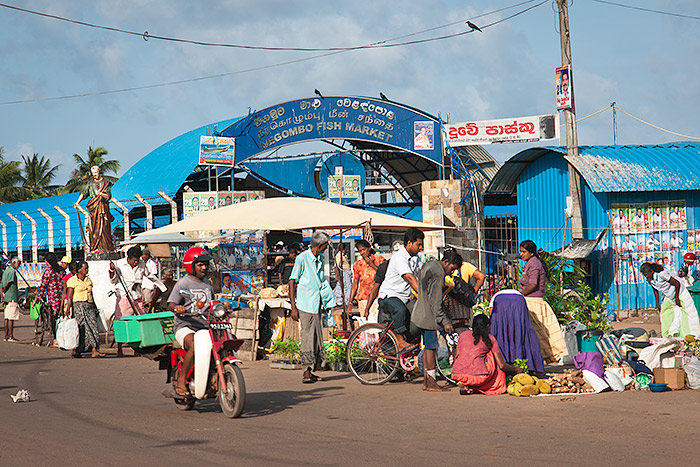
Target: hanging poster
x=351 y=186
x=563 y=83
x=652 y=232
x=355 y=234
x=30 y=274
x=423 y=136
x=217 y=150
x=194 y=202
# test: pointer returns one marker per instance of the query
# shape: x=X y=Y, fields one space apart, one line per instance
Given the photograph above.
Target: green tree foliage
x=37 y=176
x=577 y=302
x=82 y=175
x=11 y=188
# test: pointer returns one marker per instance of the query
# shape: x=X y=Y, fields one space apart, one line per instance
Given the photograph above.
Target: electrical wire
x=232 y=73
x=650 y=10
x=379 y=44
x=657 y=127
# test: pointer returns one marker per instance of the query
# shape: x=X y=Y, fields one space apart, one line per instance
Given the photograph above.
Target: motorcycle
x=217 y=345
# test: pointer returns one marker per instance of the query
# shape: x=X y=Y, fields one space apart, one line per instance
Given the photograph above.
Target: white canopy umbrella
x=288 y=214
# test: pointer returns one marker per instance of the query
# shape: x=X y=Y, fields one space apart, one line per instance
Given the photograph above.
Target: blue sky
x=645 y=62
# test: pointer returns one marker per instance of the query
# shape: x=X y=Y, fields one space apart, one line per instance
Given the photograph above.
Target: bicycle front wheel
x=372 y=354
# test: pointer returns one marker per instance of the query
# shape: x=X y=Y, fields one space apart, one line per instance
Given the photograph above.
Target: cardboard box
x=673 y=377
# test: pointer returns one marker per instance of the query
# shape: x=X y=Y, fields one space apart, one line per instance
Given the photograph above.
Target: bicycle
x=42 y=323
x=373 y=356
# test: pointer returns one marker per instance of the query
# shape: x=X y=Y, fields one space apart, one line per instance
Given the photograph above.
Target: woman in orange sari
x=364 y=271
x=479 y=365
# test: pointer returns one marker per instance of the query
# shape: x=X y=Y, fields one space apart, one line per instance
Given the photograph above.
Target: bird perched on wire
x=381 y=94
x=318 y=93
x=473 y=26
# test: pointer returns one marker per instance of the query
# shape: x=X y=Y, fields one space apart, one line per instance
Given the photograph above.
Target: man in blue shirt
x=309 y=294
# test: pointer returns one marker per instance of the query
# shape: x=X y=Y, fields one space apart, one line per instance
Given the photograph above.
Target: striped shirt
x=308 y=290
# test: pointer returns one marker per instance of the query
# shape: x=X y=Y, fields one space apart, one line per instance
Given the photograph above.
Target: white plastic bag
x=692 y=370
x=67 y=333
x=614 y=381
x=621 y=373
x=594 y=380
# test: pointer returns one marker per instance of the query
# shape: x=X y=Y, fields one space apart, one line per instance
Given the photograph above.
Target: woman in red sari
x=479 y=365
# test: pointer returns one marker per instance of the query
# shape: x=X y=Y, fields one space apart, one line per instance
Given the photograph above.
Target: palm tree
x=82 y=174
x=10 y=181
x=38 y=175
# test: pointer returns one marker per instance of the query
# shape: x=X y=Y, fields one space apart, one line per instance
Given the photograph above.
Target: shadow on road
x=260 y=404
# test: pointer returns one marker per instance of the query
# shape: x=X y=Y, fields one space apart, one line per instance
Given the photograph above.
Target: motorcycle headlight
x=219 y=310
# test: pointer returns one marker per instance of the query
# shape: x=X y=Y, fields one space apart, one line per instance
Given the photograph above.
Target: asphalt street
x=110 y=411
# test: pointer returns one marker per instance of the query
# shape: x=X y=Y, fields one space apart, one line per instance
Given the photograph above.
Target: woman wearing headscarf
x=512 y=327
x=363 y=272
x=52 y=287
x=679 y=317
x=533 y=283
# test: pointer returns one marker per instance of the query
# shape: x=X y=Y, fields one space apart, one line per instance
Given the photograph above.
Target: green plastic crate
x=155 y=328
x=126 y=330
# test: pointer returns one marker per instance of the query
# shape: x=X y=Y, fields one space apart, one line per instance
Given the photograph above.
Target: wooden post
x=561 y=270
x=616 y=266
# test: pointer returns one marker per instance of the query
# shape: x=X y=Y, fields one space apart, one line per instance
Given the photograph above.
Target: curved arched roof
x=165 y=168
x=662 y=167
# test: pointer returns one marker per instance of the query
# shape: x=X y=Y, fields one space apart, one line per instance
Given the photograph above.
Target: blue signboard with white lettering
x=350 y=118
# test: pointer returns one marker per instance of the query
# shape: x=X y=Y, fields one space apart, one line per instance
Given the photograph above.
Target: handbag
x=463 y=292
x=607 y=346
x=35 y=310
x=67 y=333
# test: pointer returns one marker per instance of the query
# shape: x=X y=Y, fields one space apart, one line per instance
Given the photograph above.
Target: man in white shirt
x=620 y=223
x=147 y=286
x=676 y=241
x=652 y=243
x=657 y=220
x=395 y=291
x=127 y=277
x=628 y=244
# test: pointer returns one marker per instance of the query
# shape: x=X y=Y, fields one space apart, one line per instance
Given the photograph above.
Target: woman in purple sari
x=512 y=328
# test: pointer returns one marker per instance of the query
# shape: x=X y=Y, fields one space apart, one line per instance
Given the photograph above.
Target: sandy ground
x=110 y=412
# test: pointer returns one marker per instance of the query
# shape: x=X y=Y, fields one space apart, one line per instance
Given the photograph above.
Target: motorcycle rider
x=201 y=292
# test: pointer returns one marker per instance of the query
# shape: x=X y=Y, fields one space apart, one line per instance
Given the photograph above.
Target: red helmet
x=689 y=258
x=195 y=255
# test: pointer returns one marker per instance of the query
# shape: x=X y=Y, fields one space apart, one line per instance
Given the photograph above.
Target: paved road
x=110 y=412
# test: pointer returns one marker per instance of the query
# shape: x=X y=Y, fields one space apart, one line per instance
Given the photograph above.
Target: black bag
x=463 y=292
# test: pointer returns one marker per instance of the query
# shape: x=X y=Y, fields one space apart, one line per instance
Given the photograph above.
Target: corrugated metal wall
x=541 y=193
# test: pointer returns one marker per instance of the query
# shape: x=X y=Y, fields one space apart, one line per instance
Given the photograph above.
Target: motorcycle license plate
x=221 y=326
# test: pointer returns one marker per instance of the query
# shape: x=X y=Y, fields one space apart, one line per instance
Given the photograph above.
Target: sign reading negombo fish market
x=349 y=118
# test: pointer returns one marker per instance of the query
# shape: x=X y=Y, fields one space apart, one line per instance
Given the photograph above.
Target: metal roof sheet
x=31 y=207
x=663 y=167
x=165 y=168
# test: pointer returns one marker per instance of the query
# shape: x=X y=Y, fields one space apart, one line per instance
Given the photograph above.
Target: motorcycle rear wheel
x=182 y=404
x=233 y=401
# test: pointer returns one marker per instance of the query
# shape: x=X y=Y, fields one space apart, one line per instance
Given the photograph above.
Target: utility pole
x=570 y=118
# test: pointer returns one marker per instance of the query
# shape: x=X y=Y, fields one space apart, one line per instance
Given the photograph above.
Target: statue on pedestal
x=99 y=227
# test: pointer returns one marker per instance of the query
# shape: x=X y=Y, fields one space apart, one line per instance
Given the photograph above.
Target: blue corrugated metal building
x=661 y=180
